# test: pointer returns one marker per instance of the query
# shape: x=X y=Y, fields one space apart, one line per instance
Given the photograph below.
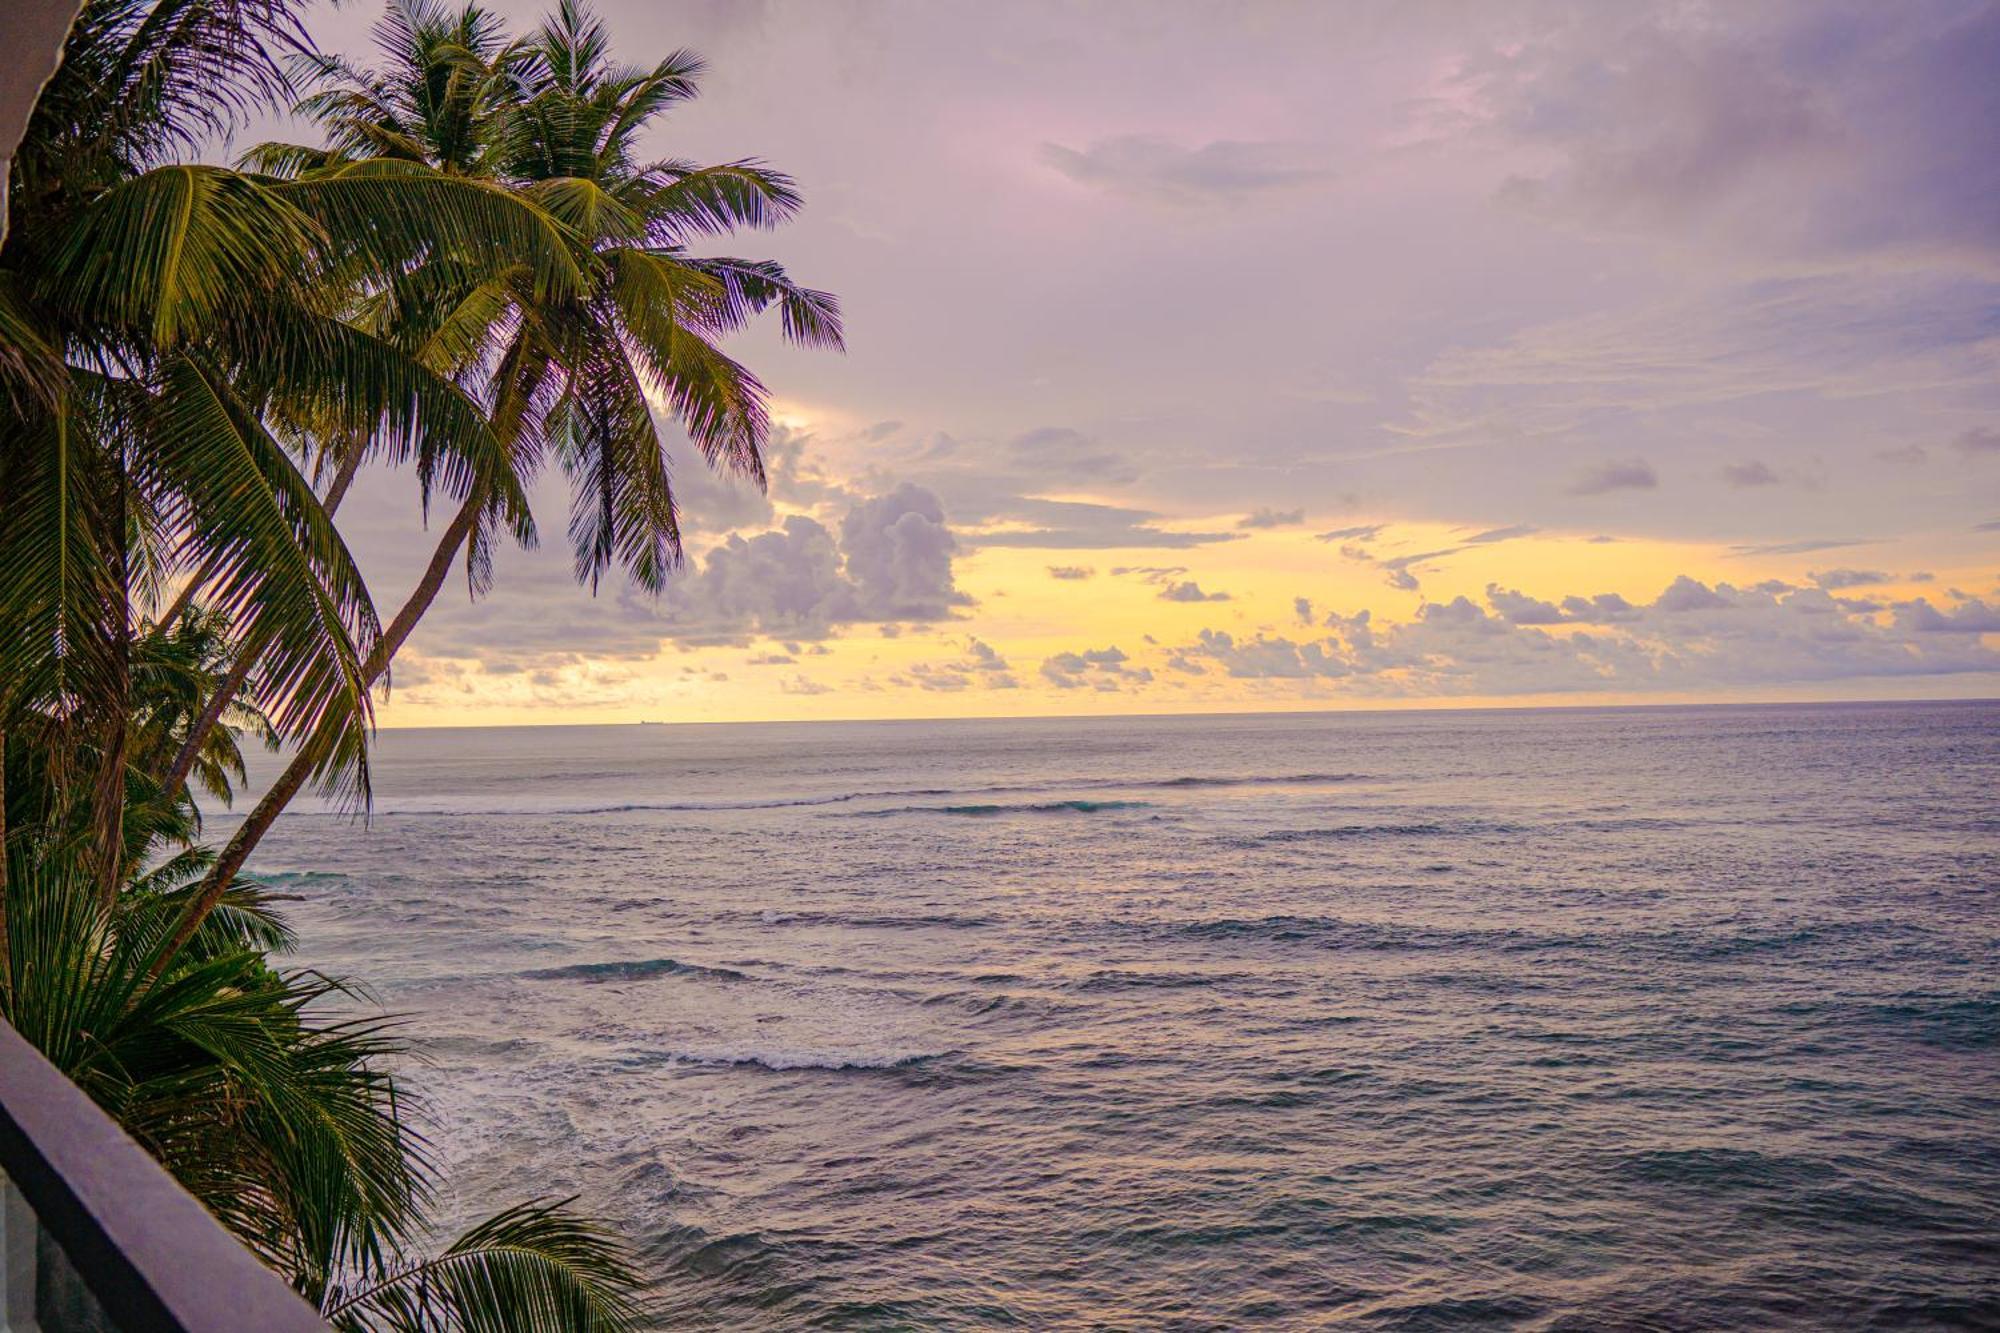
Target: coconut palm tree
x=283 y=1123
x=180 y=354
x=285 y=1126
x=568 y=374
x=160 y=324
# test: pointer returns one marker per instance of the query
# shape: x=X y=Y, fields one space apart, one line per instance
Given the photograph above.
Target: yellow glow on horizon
x=1028 y=616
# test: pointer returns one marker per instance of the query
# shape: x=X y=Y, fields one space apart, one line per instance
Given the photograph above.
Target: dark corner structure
x=95 y=1236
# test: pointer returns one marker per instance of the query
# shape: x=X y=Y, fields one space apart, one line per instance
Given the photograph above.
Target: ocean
x=1668 y=1018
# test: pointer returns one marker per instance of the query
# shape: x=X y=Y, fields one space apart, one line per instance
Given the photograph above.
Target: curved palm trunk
x=108 y=795
x=246 y=661
x=301 y=768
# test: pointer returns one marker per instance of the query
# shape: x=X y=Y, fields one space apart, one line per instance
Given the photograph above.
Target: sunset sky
x=1211 y=357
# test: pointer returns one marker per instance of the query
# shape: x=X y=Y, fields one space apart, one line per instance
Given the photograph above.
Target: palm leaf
x=169 y=252
x=533 y=1268
x=276 y=567
x=398 y=213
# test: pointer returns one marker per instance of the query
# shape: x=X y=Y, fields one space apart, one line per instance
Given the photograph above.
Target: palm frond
x=534 y=1268
x=276 y=567
x=169 y=252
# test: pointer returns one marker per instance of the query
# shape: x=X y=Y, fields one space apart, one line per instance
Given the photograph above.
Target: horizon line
x=1197 y=716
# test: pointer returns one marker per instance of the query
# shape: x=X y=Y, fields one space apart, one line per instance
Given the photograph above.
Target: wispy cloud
x=1632 y=474
x=1161 y=171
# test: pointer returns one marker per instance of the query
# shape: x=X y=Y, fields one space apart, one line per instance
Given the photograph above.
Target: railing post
x=17 y=1261
x=113 y=1242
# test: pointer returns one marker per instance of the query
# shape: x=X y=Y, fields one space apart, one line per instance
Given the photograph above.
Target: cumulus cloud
x=1161 y=171
x=1267 y=517
x=1834 y=579
x=1070 y=573
x=1691 y=636
x=1521 y=609
x=1190 y=591
x=1631 y=474
x=1970 y=617
x=1104 y=669
x=899 y=554
x=982 y=667
x=891 y=564
x=1606 y=608
x=1686 y=594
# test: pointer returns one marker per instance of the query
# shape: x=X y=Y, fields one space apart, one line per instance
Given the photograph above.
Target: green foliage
x=285 y=1124
x=477 y=274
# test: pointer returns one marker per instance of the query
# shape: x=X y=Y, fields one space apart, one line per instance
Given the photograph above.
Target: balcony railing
x=96 y=1237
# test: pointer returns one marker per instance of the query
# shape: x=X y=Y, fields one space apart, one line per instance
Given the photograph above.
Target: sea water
x=1665 y=1018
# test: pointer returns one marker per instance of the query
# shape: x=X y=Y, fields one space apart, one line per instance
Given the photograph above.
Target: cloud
x=1977 y=443
x=1492 y=535
x=982 y=667
x=1835 y=579
x=1070 y=573
x=1398 y=570
x=899 y=555
x=1364 y=533
x=1799 y=547
x=1745 y=475
x=1606 y=608
x=1971 y=617
x=1841 y=341
x=1631 y=474
x=1832 y=130
x=892 y=564
x=1101 y=669
x=1190 y=591
x=1057 y=453
x=1686 y=594
x=1071 y=525
x=1692 y=636
x=1302 y=608
x=1266 y=517
x=1160 y=171
x=1521 y=609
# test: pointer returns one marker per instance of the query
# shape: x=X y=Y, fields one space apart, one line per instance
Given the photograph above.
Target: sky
x=1212 y=357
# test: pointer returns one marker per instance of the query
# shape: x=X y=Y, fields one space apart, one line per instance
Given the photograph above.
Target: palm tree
x=571 y=373
x=161 y=324
x=180 y=353
x=284 y=1126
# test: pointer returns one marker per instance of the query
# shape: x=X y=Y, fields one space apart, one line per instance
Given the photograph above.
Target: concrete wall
x=31 y=40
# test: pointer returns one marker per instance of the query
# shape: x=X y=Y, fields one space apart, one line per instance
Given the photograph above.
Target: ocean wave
x=1363 y=832
x=633 y=970
x=1072 y=807
x=387 y=810
x=781 y=1059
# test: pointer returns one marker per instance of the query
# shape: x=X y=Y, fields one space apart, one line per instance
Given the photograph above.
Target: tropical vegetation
x=474 y=276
